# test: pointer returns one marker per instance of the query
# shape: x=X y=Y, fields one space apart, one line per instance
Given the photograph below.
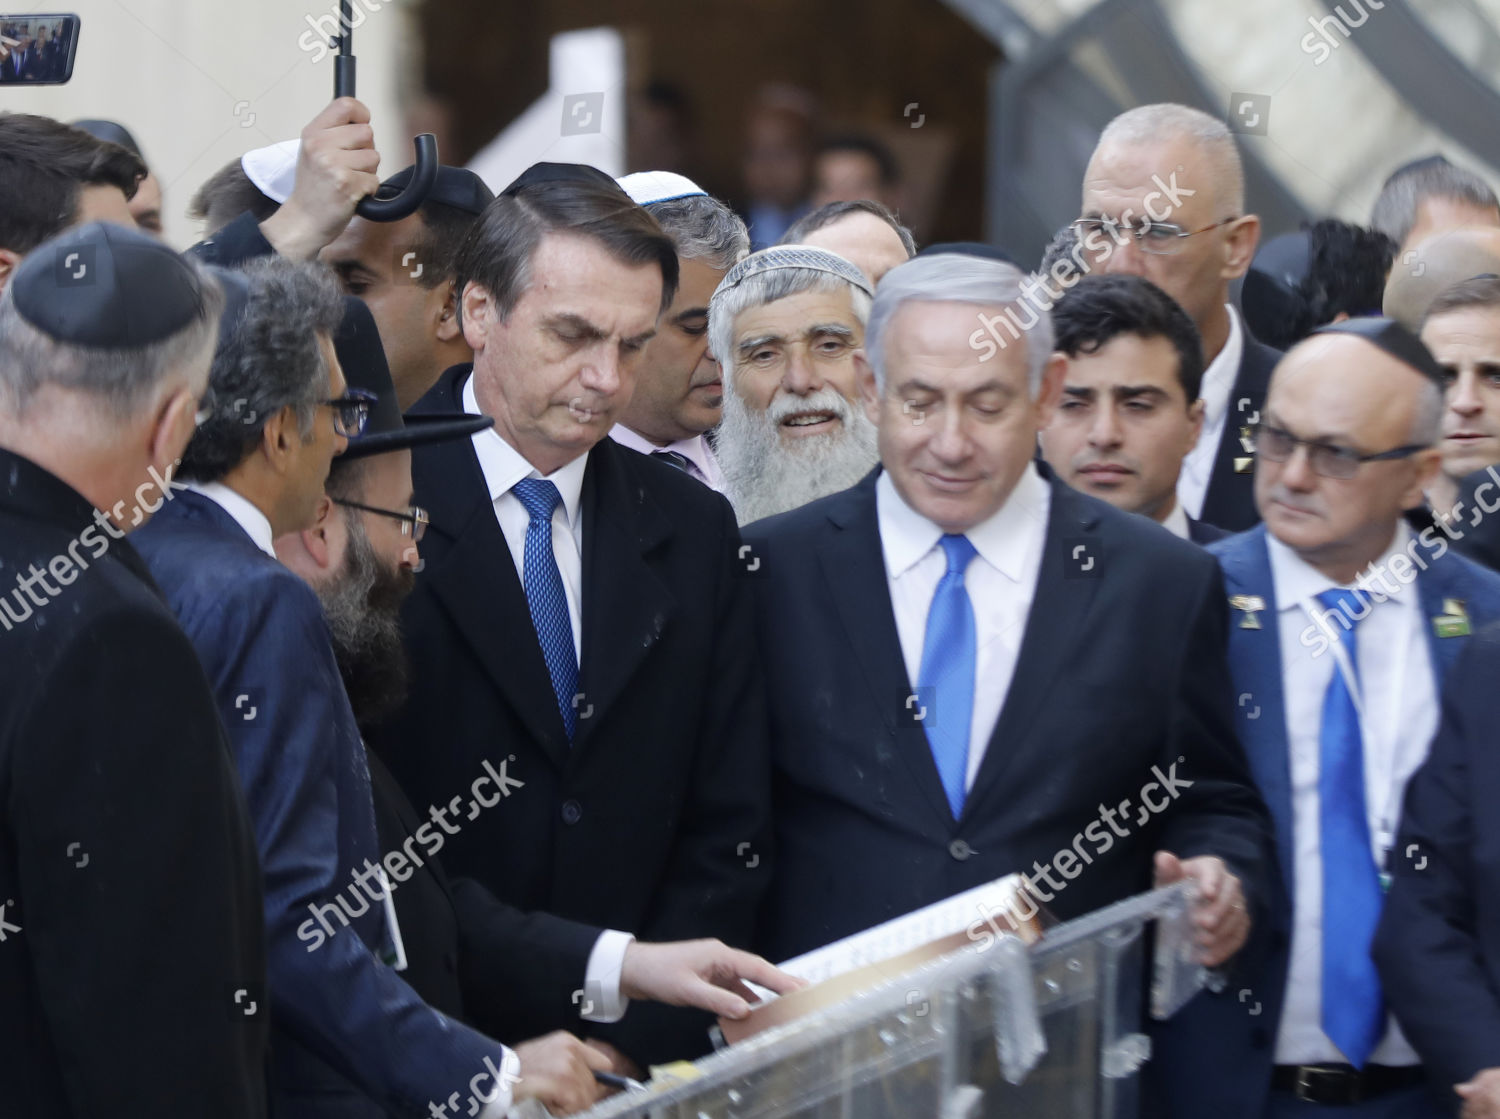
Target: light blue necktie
x=948 y=655
x=546 y=597
x=1353 y=1006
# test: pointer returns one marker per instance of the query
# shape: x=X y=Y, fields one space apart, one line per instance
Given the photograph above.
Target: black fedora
x=363 y=360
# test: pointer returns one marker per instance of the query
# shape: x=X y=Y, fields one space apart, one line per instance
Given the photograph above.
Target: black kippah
x=1394 y=339
x=560 y=173
x=981 y=249
x=105 y=286
x=454 y=186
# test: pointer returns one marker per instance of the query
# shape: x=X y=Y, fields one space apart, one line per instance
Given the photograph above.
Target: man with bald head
x=864 y=232
x=785 y=324
x=1345 y=623
x=1419 y=275
x=1165 y=193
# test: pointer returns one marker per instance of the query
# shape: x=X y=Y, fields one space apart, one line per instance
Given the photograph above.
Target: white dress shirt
x=1398 y=715
x=245 y=512
x=1001 y=581
x=1177 y=522
x=503 y=466
x=701 y=462
x=1218 y=384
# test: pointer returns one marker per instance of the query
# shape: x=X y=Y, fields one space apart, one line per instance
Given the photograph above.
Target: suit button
x=572 y=812
x=960 y=849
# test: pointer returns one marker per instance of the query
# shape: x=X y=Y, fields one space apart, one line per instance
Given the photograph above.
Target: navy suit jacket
x=1230 y=500
x=1438 y=947
x=1246 y=1024
x=349 y=1038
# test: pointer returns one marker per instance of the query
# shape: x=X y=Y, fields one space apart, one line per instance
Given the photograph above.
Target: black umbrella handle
x=424 y=147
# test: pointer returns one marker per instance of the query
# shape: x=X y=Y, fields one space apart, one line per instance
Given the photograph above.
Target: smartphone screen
x=37 y=49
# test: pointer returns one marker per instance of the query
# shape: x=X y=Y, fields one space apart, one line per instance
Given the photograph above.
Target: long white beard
x=764 y=476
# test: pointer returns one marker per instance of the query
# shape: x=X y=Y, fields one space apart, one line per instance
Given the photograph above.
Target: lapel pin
x=1247 y=440
x=1252 y=605
x=1453 y=621
x=1244 y=465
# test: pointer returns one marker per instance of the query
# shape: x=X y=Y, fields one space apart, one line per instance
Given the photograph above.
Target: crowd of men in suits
x=35 y=51
x=449 y=658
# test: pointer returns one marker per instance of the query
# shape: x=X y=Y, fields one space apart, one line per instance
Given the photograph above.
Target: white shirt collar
x=503 y=466
x=256 y=524
x=1219 y=377
x=1177 y=522
x=1298 y=583
x=695 y=449
x=1003 y=541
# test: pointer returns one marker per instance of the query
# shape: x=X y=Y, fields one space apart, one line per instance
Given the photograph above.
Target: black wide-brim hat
x=363 y=360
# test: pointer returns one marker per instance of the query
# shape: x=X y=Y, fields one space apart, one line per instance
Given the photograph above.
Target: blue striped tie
x=546 y=597
x=1353 y=1006
x=948 y=655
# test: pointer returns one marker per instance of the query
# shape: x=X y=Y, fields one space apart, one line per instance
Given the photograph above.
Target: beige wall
x=200 y=82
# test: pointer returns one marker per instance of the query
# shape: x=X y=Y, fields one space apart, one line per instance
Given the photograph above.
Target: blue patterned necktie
x=948 y=654
x=546 y=597
x=1353 y=1006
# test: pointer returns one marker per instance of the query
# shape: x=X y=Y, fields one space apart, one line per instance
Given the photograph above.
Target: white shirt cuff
x=602 y=1001
x=499 y=1103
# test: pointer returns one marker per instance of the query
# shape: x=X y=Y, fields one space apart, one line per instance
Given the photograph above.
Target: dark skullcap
x=982 y=249
x=105 y=286
x=455 y=186
x=1390 y=336
x=560 y=173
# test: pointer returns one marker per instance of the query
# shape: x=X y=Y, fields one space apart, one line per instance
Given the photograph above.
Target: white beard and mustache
x=764 y=476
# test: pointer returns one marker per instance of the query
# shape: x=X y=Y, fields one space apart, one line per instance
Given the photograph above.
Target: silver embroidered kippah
x=793 y=256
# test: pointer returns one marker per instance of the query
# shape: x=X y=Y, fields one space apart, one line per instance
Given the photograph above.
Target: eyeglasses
x=1278 y=445
x=413 y=521
x=351 y=411
x=1159 y=238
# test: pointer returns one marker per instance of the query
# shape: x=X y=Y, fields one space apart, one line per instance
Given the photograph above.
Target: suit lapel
x=853 y=568
x=475 y=580
x=1059 y=610
x=626 y=606
x=1438 y=588
x=1255 y=661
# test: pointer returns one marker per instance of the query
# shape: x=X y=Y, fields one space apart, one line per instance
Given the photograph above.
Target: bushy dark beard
x=363 y=606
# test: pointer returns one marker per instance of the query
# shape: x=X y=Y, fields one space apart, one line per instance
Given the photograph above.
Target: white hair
x=1168 y=121
x=960 y=278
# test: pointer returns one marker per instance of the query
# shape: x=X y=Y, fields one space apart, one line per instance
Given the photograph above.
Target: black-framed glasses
x=1331 y=461
x=413 y=521
x=1160 y=238
x=351 y=411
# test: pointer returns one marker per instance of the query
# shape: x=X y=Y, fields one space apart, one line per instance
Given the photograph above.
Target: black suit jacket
x=130 y=895
x=1230 y=501
x=465 y=950
x=1203 y=534
x=1121 y=676
x=1438 y=946
x=655 y=820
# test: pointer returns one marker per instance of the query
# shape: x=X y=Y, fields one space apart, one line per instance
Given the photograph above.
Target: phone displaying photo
x=37 y=49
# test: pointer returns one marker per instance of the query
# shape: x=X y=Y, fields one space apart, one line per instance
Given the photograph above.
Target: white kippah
x=273 y=170
x=646 y=187
x=793 y=256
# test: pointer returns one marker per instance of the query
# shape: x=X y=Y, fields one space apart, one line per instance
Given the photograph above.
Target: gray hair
x=760 y=279
x=703 y=228
x=959 y=278
x=1169 y=121
x=273 y=360
x=1395 y=211
x=122 y=380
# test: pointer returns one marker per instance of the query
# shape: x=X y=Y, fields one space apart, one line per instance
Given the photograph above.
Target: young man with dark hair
x=53 y=176
x=1130 y=409
x=1325 y=273
x=1462 y=329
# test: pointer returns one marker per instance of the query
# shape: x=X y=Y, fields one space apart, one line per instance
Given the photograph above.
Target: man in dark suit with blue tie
x=349 y=1037
x=579 y=614
x=1346 y=623
x=975 y=670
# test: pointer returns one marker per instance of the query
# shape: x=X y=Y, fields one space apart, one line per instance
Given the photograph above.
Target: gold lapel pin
x=1252 y=605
